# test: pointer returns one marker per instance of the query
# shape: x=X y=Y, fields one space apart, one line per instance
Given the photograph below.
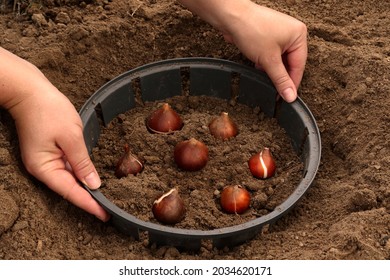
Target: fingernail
x=105 y=217
x=289 y=95
x=92 y=181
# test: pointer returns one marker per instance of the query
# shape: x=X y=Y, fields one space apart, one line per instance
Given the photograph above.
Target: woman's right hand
x=275 y=42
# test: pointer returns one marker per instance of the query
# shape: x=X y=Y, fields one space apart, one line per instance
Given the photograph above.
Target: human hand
x=53 y=150
x=274 y=41
x=50 y=134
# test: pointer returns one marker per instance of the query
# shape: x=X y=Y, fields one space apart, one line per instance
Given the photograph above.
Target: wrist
x=32 y=100
x=224 y=15
x=21 y=83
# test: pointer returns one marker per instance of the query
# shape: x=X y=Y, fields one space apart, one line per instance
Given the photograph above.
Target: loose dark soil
x=200 y=190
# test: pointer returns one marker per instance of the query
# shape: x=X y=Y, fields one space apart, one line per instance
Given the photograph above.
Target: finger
x=296 y=73
x=67 y=166
x=277 y=72
x=81 y=198
x=296 y=62
x=74 y=148
x=259 y=67
x=63 y=183
x=228 y=38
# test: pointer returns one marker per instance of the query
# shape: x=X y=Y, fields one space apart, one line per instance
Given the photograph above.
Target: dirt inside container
x=200 y=190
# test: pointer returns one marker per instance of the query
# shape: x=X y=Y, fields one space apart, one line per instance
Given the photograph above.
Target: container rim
x=131 y=224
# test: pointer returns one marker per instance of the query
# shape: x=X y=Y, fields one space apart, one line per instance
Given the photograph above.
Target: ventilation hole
x=278 y=105
x=305 y=134
x=305 y=173
x=136 y=86
x=185 y=80
x=235 y=87
x=99 y=113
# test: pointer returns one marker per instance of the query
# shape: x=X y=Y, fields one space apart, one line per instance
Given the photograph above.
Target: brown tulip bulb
x=235 y=199
x=169 y=208
x=164 y=120
x=262 y=165
x=128 y=164
x=223 y=127
x=191 y=155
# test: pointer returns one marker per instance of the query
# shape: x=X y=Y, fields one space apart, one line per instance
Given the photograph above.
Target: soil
x=227 y=164
x=80 y=46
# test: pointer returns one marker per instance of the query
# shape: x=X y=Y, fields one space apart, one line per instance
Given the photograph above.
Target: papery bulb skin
x=169 y=208
x=235 y=199
x=262 y=165
x=164 y=120
x=223 y=127
x=191 y=155
x=128 y=164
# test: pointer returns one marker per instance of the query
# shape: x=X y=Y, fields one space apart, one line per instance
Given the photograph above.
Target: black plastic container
x=212 y=77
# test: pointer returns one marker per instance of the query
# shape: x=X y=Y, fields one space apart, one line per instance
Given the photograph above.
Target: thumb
x=281 y=80
x=78 y=158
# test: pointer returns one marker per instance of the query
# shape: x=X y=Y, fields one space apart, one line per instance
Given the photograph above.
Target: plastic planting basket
x=212 y=77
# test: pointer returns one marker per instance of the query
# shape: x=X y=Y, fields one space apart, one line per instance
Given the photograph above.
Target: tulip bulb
x=262 y=165
x=191 y=155
x=128 y=164
x=169 y=208
x=235 y=199
x=164 y=120
x=223 y=127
